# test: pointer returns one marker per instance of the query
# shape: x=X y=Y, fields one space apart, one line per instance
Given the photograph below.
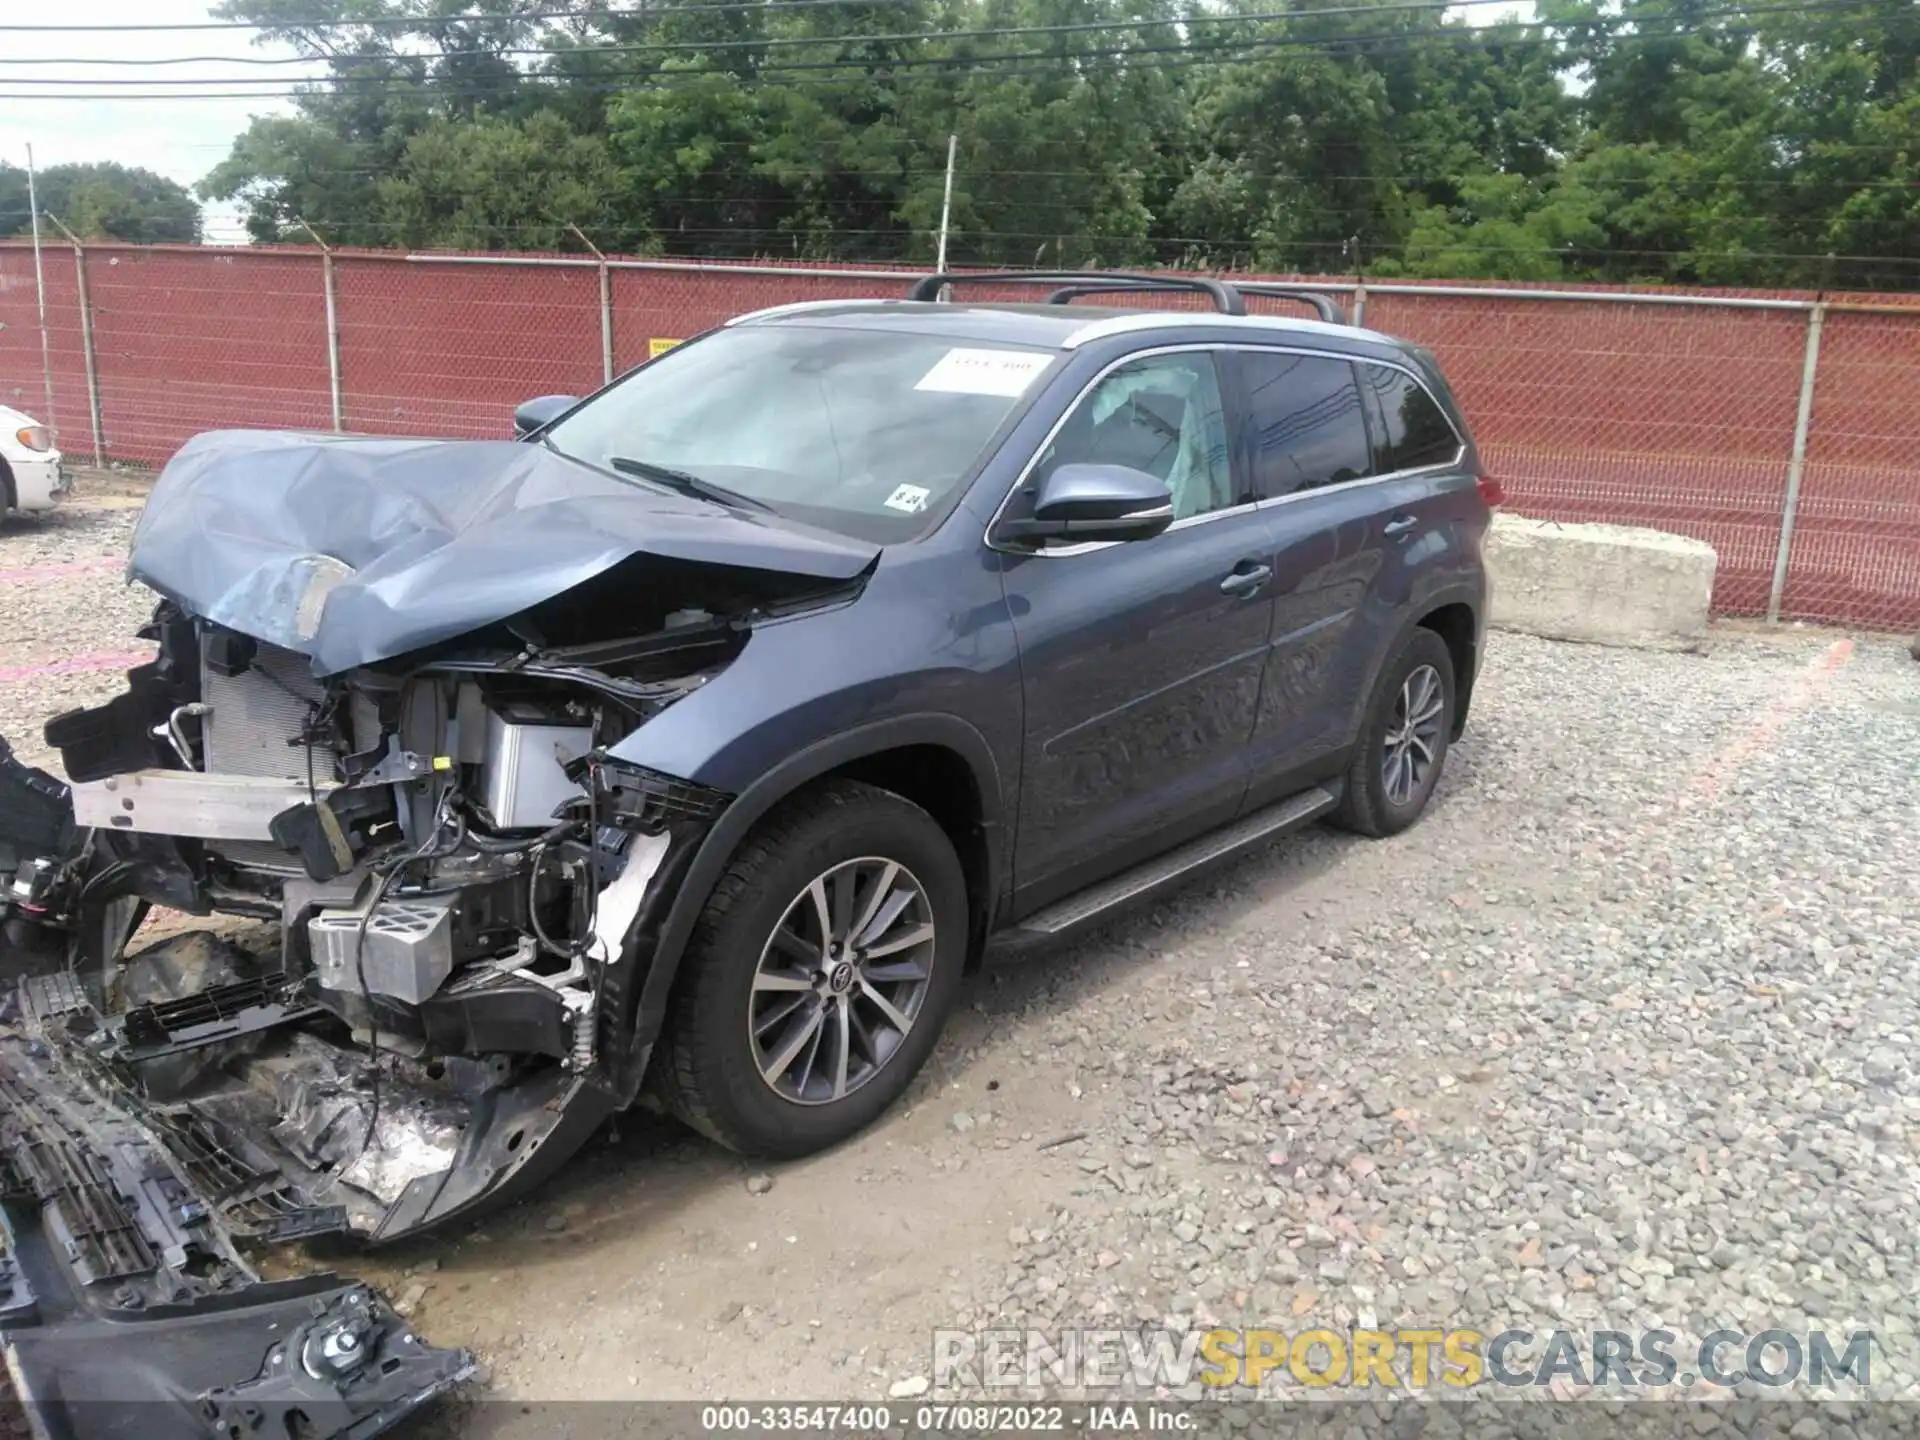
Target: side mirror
x=539 y=412
x=1096 y=502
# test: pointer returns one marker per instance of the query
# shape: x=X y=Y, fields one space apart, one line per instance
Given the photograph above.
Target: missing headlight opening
x=461 y=875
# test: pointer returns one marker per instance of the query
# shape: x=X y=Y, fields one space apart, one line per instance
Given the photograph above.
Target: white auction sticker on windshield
x=984 y=372
x=910 y=498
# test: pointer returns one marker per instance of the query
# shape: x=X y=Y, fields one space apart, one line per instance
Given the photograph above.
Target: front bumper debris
x=125 y=1309
x=468 y=883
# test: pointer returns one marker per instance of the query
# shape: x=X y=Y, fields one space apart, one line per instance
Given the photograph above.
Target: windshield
x=866 y=432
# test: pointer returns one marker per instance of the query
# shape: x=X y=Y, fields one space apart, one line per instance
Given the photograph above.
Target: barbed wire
x=984 y=238
x=966 y=175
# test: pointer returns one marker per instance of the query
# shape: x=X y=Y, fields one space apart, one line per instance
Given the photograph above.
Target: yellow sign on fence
x=657 y=347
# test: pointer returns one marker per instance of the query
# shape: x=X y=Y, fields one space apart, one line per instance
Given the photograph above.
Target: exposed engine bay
x=452 y=867
x=446 y=889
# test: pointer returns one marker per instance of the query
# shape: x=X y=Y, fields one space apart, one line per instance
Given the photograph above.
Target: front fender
x=690 y=876
x=923 y=655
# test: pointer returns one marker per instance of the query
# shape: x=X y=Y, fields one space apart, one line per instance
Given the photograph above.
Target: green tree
x=1504 y=227
x=1610 y=139
x=329 y=164
x=1062 y=161
x=1298 y=162
x=495 y=183
x=1845 y=178
x=102 y=201
x=1681 y=112
x=1319 y=148
x=283 y=169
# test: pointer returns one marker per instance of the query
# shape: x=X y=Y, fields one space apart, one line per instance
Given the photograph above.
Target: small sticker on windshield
x=984 y=372
x=910 y=498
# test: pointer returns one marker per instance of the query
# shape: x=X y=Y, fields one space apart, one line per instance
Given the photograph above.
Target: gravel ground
x=66 y=622
x=1619 y=1037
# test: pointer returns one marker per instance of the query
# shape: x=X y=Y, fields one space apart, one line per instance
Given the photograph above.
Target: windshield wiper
x=684 y=481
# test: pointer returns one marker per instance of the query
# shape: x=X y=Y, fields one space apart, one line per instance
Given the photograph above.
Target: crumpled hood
x=355 y=550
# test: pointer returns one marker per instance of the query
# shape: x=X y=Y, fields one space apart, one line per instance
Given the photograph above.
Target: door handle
x=1400 y=524
x=1246 y=578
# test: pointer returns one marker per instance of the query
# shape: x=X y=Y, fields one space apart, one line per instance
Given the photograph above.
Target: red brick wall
x=1675 y=417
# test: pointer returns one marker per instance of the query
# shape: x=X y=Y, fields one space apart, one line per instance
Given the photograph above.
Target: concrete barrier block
x=1607 y=584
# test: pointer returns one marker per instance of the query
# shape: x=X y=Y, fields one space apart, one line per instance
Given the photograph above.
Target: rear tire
x=1403 y=741
x=843 y=914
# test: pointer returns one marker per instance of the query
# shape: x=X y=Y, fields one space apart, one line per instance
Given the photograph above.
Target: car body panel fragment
x=125 y=1308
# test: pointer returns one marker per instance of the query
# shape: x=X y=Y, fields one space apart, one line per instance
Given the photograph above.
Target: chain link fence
x=1783 y=429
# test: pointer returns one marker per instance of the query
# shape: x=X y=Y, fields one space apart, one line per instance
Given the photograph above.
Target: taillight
x=1490 y=491
x=34 y=437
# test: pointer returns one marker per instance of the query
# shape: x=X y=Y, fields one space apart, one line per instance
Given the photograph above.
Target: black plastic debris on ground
x=126 y=1311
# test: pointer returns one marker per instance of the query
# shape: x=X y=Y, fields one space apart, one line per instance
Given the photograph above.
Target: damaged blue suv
x=695 y=743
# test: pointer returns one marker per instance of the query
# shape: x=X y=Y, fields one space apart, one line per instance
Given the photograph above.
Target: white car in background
x=31 y=476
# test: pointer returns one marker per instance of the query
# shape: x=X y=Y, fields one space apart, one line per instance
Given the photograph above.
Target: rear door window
x=1411 y=430
x=1304 y=419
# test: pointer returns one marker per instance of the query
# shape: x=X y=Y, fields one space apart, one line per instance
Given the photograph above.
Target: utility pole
x=40 y=290
x=946 y=206
x=333 y=326
x=606 y=305
x=86 y=338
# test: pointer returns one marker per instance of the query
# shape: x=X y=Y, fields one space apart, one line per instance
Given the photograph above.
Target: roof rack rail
x=1226 y=298
x=1320 y=302
x=1070 y=293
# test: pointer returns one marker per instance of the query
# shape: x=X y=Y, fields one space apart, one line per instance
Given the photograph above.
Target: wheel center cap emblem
x=840 y=978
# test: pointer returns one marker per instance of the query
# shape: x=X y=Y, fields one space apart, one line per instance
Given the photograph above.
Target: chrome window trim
x=1388 y=478
x=1459 y=440
x=1088 y=546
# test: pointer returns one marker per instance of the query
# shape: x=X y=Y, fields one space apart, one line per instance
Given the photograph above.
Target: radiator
x=257 y=716
x=253 y=728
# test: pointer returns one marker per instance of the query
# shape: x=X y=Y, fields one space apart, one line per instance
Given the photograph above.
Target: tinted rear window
x=1306 y=419
x=1414 y=429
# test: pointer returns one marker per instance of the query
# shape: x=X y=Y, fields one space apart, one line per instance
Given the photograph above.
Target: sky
x=181 y=139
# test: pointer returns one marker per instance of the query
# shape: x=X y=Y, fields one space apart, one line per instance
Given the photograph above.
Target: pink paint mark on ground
x=78 y=665
x=28 y=574
x=1764 y=733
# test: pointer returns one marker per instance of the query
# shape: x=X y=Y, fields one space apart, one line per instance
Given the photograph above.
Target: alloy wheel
x=841 y=980
x=1413 y=735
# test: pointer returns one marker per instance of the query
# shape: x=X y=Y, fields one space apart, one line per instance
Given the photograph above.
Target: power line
x=703 y=47
x=424 y=22
x=655 y=225
x=786 y=41
x=1075 y=63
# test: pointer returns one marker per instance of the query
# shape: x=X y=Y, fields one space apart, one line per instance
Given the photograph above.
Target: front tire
x=1403 y=742
x=819 y=975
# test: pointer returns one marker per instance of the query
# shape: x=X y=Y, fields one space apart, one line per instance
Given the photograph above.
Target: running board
x=1276 y=819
